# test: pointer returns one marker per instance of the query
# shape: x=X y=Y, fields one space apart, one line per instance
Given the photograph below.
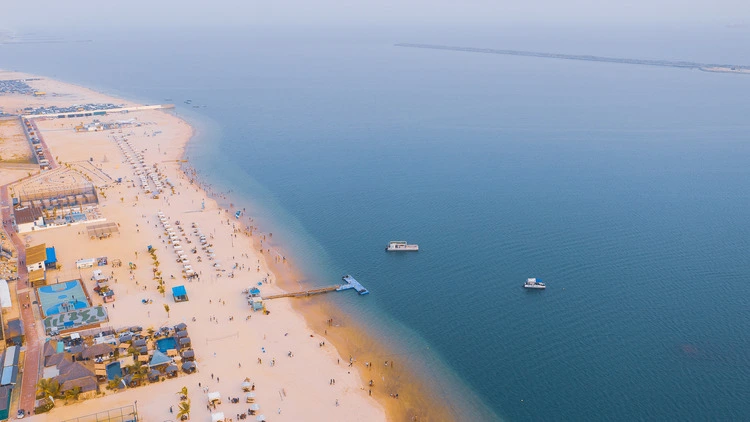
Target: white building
x=27 y=218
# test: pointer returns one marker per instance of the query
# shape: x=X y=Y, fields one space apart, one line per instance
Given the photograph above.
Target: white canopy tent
x=4 y=294
x=214 y=396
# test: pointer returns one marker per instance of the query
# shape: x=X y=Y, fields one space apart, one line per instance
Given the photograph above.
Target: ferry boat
x=532 y=283
x=400 y=245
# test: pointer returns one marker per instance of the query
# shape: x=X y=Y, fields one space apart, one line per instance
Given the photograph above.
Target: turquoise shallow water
x=625 y=188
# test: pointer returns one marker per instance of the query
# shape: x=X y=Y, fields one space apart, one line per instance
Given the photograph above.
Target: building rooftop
x=36 y=253
x=25 y=215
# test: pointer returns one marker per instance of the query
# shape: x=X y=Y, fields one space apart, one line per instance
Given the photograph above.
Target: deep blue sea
x=625 y=188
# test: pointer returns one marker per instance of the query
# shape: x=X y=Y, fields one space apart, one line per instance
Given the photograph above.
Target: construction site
x=64 y=190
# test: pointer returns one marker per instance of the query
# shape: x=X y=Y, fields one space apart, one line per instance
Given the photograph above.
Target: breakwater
x=707 y=67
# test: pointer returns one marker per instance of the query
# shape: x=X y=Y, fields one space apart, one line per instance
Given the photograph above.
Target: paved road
x=47 y=154
x=31 y=365
x=34 y=335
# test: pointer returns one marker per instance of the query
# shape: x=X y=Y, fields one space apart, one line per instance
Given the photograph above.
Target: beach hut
x=184 y=342
x=179 y=294
x=188 y=355
x=189 y=367
x=98 y=351
x=181 y=334
x=256 y=303
x=217 y=417
x=154 y=375
x=180 y=327
x=171 y=371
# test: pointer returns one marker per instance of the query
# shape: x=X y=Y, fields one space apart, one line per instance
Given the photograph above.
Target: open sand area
x=279 y=352
x=14 y=148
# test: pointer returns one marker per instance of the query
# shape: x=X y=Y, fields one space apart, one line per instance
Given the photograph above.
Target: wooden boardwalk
x=304 y=293
x=351 y=283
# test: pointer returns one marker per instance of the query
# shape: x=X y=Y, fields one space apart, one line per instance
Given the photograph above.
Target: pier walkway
x=351 y=283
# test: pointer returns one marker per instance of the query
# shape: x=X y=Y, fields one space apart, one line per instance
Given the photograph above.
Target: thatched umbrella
x=189 y=367
x=171 y=370
x=153 y=375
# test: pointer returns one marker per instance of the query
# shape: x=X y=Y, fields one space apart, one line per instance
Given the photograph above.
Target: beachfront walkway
x=31 y=364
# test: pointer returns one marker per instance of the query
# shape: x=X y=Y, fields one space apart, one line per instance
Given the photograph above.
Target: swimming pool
x=62 y=297
x=113 y=370
x=165 y=344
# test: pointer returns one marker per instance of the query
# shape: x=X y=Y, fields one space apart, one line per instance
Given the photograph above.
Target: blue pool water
x=113 y=370
x=165 y=344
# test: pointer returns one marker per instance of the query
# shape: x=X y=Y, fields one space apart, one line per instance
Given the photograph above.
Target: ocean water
x=625 y=188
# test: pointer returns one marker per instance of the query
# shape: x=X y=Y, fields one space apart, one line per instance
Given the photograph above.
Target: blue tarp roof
x=51 y=256
x=159 y=358
x=179 y=291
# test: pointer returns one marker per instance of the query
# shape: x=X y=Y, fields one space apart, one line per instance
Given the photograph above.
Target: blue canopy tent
x=51 y=261
x=179 y=294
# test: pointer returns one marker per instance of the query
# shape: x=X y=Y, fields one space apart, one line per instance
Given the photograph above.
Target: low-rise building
x=27 y=218
x=35 y=257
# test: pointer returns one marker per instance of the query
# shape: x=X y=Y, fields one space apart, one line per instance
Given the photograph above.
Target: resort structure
x=113 y=250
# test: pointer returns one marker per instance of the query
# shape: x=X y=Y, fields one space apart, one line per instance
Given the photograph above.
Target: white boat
x=400 y=245
x=533 y=283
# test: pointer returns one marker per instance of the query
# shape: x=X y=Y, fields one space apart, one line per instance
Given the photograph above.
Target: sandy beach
x=299 y=375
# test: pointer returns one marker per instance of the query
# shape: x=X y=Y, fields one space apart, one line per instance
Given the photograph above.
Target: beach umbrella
x=217 y=417
x=246 y=384
x=254 y=406
x=261 y=418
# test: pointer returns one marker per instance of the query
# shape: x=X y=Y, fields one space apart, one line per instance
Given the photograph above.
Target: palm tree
x=47 y=387
x=183 y=410
x=138 y=370
x=114 y=384
x=161 y=290
x=183 y=393
x=166 y=308
x=72 y=394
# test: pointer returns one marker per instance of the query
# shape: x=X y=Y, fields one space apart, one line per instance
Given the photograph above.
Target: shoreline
x=177 y=148
x=417 y=400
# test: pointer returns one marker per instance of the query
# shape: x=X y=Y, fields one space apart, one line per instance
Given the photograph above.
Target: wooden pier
x=350 y=283
x=304 y=293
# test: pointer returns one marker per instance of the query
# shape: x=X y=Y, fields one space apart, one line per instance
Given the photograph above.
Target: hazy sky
x=53 y=14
